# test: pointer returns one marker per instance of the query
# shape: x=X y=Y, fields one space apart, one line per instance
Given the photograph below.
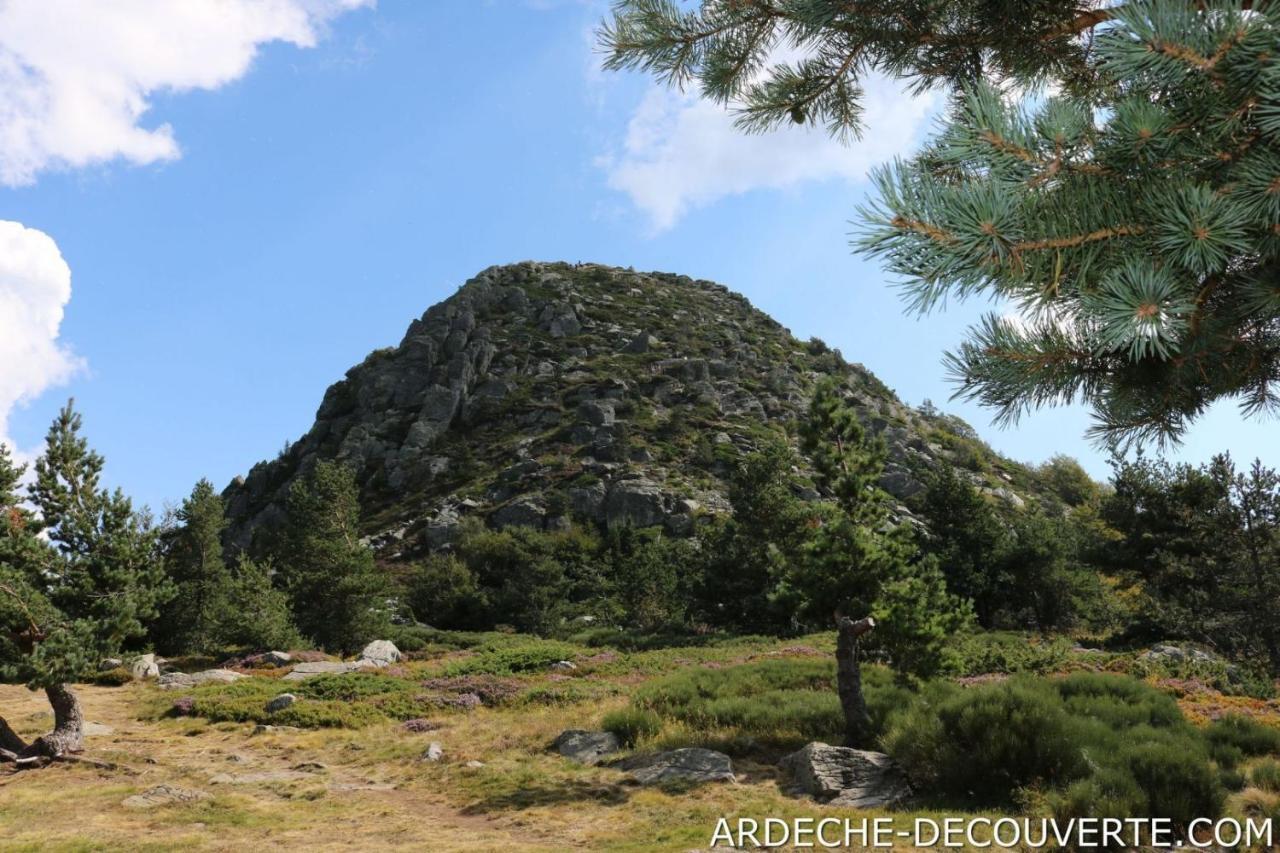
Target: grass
x=713 y=691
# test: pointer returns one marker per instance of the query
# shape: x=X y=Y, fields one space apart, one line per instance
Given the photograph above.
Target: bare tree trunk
x=66 y=739
x=857 y=722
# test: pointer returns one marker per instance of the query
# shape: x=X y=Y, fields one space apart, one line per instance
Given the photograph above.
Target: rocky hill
x=543 y=393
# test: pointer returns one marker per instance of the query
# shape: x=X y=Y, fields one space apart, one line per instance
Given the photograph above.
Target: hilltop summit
x=542 y=393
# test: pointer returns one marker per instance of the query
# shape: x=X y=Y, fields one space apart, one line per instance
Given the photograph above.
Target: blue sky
x=299 y=188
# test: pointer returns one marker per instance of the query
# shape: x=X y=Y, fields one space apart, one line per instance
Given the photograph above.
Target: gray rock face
x=526 y=511
x=182 y=680
x=847 y=777
x=585 y=747
x=680 y=765
x=146 y=666
x=634 y=503
x=279 y=703
x=553 y=366
x=108 y=664
x=381 y=653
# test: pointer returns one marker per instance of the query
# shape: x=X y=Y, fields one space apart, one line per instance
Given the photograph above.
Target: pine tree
x=257 y=615
x=858 y=563
x=67 y=602
x=194 y=563
x=1132 y=219
x=337 y=593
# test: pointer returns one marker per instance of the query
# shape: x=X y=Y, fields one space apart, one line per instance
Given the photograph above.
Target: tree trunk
x=857 y=722
x=67 y=737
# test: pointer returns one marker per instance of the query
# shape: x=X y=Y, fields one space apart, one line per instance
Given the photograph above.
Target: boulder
x=434 y=752
x=179 y=680
x=279 y=703
x=381 y=653
x=275 y=659
x=564 y=665
x=108 y=664
x=642 y=342
x=634 y=503
x=691 y=764
x=525 y=511
x=843 y=776
x=597 y=412
x=145 y=666
x=585 y=747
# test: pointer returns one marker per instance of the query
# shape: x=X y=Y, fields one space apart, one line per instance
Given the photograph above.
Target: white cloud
x=682 y=152
x=35 y=285
x=76 y=76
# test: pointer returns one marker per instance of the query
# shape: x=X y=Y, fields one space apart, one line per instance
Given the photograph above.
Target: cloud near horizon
x=35 y=286
x=76 y=78
x=682 y=152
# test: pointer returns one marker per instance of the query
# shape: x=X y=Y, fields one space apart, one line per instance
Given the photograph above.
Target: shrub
x=113 y=677
x=632 y=725
x=980 y=745
x=1266 y=775
x=1005 y=652
x=1245 y=734
x=526 y=656
x=1177 y=779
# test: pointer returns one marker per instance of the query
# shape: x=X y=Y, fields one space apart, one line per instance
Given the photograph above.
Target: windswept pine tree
x=67 y=602
x=862 y=567
x=1132 y=219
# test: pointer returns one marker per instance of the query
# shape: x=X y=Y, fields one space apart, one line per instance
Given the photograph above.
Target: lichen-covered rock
x=381 y=653
x=691 y=764
x=847 y=777
x=634 y=503
x=145 y=666
x=585 y=747
x=180 y=680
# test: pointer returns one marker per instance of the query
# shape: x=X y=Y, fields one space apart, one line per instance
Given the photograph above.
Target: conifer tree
x=338 y=594
x=67 y=602
x=257 y=615
x=1132 y=218
x=195 y=566
x=863 y=568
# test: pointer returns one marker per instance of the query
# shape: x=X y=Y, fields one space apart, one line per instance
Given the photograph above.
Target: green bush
x=786 y=701
x=1096 y=745
x=113 y=677
x=1266 y=775
x=525 y=656
x=1006 y=652
x=979 y=746
x=632 y=725
x=1244 y=734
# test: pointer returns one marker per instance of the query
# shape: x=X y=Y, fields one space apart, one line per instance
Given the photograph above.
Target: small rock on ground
x=163 y=795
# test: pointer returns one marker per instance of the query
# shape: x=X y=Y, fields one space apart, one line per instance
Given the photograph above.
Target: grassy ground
x=367 y=787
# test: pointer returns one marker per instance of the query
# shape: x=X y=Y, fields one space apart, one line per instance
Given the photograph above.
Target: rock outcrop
x=541 y=394
x=842 y=776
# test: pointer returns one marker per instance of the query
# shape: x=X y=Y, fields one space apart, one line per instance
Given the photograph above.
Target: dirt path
x=306 y=790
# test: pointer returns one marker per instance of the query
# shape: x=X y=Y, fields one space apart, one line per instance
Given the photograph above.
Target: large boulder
x=380 y=653
x=585 y=747
x=279 y=703
x=634 y=503
x=691 y=764
x=843 y=776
